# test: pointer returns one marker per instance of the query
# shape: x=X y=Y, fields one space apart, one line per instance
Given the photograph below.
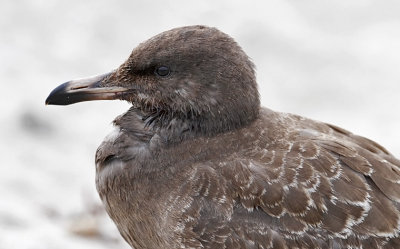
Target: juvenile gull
x=197 y=163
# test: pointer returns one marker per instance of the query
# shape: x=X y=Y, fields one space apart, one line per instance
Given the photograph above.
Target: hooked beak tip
x=84 y=90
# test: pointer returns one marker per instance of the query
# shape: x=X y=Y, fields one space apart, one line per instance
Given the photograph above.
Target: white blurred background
x=334 y=61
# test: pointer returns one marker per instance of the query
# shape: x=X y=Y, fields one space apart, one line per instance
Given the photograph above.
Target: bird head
x=193 y=72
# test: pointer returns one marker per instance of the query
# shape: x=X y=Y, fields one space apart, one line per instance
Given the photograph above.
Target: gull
x=196 y=162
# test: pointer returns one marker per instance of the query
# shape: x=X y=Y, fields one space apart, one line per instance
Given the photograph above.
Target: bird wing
x=336 y=191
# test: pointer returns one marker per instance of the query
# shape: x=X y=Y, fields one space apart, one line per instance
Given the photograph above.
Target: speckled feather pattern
x=282 y=182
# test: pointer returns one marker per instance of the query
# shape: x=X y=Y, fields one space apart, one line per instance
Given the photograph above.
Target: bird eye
x=163 y=71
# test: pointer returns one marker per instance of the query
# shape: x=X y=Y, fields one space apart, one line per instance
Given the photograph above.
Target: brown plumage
x=197 y=163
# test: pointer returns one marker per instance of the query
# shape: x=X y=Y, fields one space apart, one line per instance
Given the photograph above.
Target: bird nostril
x=78 y=87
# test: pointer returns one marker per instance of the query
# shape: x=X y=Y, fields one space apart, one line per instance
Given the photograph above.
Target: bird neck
x=176 y=126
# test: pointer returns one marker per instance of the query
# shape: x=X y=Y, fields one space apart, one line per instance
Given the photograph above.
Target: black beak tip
x=58 y=96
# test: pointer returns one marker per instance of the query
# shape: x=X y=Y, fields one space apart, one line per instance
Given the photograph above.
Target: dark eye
x=163 y=71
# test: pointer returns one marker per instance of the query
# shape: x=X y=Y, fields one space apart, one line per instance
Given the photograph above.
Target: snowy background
x=335 y=61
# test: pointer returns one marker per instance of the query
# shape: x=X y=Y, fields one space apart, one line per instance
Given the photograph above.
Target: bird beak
x=87 y=89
